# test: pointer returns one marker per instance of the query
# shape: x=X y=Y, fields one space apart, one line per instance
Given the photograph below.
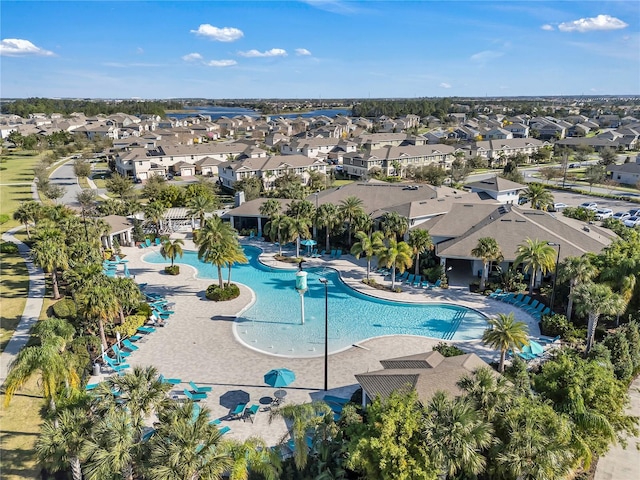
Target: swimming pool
x=273 y=324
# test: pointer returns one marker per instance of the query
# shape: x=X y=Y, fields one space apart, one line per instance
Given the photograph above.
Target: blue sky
x=318 y=49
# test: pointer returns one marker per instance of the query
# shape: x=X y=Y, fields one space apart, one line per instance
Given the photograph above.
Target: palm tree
x=99 y=303
x=593 y=300
x=26 y=213
x=397 y=256
x=535 y=255
x=217 y=255
x=488 y=250
x=270 y=208
x=82 y=277
x=60 y=443
x=538 y=195
x=369 y=246
x=253 y=455
x=279 y=228
x=236 y=255
x=490 y=393
x=455 y=435
x=349 y=208
x=154 y=214
x=299 y=228
x=199 y=206
x=393 y=225
x=173 y=249
x=50 y=253
x=575 y=270
x=420 y=241
x=504 y=334
x=215 y=243
x=127 y=293
x=327 y=216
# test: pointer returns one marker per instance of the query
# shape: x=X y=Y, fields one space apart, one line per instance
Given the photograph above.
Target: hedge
x=8 y=247
x=217 y=294
x=131 y=325
x=65 y=308
x=172 y=270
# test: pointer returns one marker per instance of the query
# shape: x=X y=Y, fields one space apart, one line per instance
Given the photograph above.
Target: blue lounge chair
x=215 y=422
x=142 y=245
x=148 y=242
x=239 y=411
x=417 y=282
x=321 y=254
x=402 y=277
x=158 y=242
x=91 y=386
x=524 y=302
x=146 y=330
x=120 y=355
x=194 y=397
x=120 y=260
x=496 y=294
x=135 y=338
x=333 y=253
x=436 y=285
x=114 y=365
x=126 y=343
x=544 y=312
x=410 y=278
x=532 y=307
x=224 y=430
x=170 y=381
x=338 y=253
x=251 y=412
x=506 y=298
x=426 y=284
x=518 y=298
x=196 y=389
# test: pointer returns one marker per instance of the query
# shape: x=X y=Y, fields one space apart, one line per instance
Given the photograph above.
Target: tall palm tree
x=50 y=253
x=394 y=225
x=25 y=214
x=253 y=455
x=488 y=250
x=279 y=227
x=270 y=208
x=60 y=443
x=199 y=206
x=362 y=223
x=575 y=270
x=327 y=217
x=535 y=255
x=455 y=435
x=172 y=249
x=419 y=241
x=236 y=255
x=127 y=293
x=99 y=303
x=213 y=232
x=538 y=195
x=299 y=229
x=217 y=255
x=349 y=208
x=504 y=334
x=593 y=300
x=369 y=246
x=397 y=256
x=84 y=276
x=490 y=393
x=154 y=215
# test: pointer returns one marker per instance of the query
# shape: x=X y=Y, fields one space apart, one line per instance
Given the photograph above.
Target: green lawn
x=339 y=183
x=16 y=170
x=14 y=284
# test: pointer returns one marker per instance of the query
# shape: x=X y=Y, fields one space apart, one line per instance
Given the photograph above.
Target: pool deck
x=198 y=343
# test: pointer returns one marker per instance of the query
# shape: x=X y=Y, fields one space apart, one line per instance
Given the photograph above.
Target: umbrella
x=536 y=348
x=279 y=377
x=307 y=242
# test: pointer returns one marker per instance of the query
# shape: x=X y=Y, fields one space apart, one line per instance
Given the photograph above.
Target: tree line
x=90 y=108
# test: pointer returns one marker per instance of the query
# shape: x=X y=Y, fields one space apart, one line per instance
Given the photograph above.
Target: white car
x=559 y=206
x=632 y=222
x=621 y=215
x=603 y=213
x=589 y=206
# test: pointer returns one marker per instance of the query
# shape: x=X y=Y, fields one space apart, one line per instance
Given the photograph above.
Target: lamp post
x=555 y=273
x=325 y=282
x=315 y=226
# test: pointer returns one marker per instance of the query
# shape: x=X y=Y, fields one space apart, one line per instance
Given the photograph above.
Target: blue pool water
x=273 y=324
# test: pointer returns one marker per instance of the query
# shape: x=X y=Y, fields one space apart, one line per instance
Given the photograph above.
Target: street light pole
x=325 y=282
x=315 y=226
x=555 y=273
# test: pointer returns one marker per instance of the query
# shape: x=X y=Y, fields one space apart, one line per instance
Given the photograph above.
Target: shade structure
x=307 y=242
x=279 y=377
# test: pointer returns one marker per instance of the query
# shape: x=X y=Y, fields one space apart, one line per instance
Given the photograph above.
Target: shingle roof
x=496 y=184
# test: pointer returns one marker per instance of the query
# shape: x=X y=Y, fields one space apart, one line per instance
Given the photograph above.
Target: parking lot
x=575 y=199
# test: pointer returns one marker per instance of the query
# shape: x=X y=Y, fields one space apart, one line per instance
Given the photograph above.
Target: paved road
x=64 y=176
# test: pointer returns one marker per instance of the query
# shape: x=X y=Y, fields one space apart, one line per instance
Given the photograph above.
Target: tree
x=393 y=225
x=299 y=228
x=575 y=270
x=54 y=192
x=60 y=443
x=154 y=215
x=81 y=168
x=50 y=252
x=327 y=216
x=251 y=186
x=538 y=195
x=27 y=213
x=594 y=174
x=120 y=186
x=419 y=241
x=172 y=249
x=488 y=250
x=279 y=228
x=455 y=435
x=199 y=206
x=397 y=256
x=607 y=157
x=349 y=208
x=235 y=255
x=87 y=199
x=270 y=208
x=369 y=246
x=550 y=173
x=504 y=334
x=100 y=304
x=127 y=293
x=535 y=255
x=153 y=187
x=593 y=300
x=215 y=241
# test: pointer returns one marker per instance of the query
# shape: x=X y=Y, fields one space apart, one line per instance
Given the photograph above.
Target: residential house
x=495 y=149
x=497 y=134
x=518 y=130
x=500 y=189
x=627 y=173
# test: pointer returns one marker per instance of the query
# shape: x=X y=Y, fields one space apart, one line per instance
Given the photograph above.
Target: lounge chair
x=239 y=411
x=135 y=338
x=251 y=412
x=425 y=283
x=90 y=386
x=496 y=294
x=142 y=245
x=120 y=355
x=170 y=381
x=338 y=253
x=146 y=330
x=126 y=343
x=402 y=277
x=147 y=242
x=195 y=412
x=506 y=298
x=215 y=421
x=417 y=282
x=114 y=365
x=321 y=254
x=120 y=260
x=524 y=302
x=436 y=285
x=224 y=430
x=518 y=298
x=544 y=312
x=532 y=307
x=158 y=242
x=195 y=388
x=410 y=278
x=333 y=253
x=194 y=397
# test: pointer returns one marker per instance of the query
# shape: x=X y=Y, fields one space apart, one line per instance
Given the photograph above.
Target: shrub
x=217 y=294
x=131 y=325
x=4 y=218
x=434 y=273
x=65 y=308
x=172 y=270
x=8 y=247
x=447 y=350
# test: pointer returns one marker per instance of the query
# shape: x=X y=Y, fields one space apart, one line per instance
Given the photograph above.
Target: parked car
x=634 y=212
x=621 y=215
x=589 y=206
x=556 y=207
x=632 y=222
x=603 y=213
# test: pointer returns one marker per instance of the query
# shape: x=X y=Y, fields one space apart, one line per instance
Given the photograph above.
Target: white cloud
x=601 y=22
x=485 y=56
x=274 y=52
x=225 y=34
x=192 y=57
x=302 y=51
x=16 y=47
x=547 y=27
x=220 y=63
x=445 y=85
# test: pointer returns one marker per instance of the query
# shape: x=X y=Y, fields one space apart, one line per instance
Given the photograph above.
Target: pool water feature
x=273 y=324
